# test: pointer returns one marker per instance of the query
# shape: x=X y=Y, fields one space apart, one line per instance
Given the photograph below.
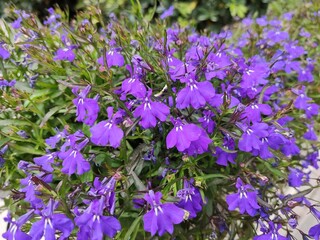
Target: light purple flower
x=50 y=223
x=107 y=132
x=105 y=188
x=195 y=94
x=113 y=58
x=182 y=135
x=64 y=54
x=94 y=225
x=245 y=199
x=73 y=160
x=315 y=232
x=295 y=177
x=14 y=232
x=4 y=54
x=46 y=161
x=250 y=139
x=190 y=199
x=271 y=233
x=162 y=216
x=167 y=13
x=150 y=111
x=253 y=112
x=87 y=108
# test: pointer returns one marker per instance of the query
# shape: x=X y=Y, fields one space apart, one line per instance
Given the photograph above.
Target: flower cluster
x=210 y=112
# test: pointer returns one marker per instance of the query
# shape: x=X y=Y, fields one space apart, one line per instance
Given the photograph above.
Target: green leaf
x=6 y=123
x=26 y=149
x=49 y=114
x=87 y=177
x=133 y=226
x=185 y=8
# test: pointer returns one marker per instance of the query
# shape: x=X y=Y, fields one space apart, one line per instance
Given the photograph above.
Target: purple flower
x=200 y=145
x=253 y=112
x=207 y=122
x=87 y=108
x=73 y=160
x=271 y=233
x=5 y=83
x=134 y=86
x=14 y=232
x=105 y=188
x=52 y=19
x=50 y=223
x=17 y=23
x=217 y=64
x=250 y=139
x=311 y=110
x=315 y=232
x=223 y=156
x=52 y=141
x=190 y=199
x=167 y=13
x=245 y=199
x=4 y=54
x=162 y=216
x=46 y=161
x=150 y=111
x=182 y=135
x=195 y=94
x=64 y=54
x=295 y=177
x=254 y=75
x=107 y=132
x=113 y=58
x=93 y=224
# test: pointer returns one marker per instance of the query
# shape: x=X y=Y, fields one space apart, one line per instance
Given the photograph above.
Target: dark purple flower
x=73 y=161
x=113 y=58
x=150 y=111
x=64 y=54
x=190 y=199
x=50 y=223
x=245 y=199
x=93 y=224
x=107 y=132
x=162 y=216
x=182 y=135
x=87 y=108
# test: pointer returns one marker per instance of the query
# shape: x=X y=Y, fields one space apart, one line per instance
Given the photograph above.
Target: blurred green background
x=212 y=14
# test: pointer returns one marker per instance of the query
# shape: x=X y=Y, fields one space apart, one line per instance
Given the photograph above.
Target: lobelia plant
x=135 y=129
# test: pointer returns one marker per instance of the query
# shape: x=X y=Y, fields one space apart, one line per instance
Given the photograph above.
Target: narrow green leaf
x=133 y=226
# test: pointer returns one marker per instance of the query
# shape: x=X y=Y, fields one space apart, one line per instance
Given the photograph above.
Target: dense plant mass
x=130 y=130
